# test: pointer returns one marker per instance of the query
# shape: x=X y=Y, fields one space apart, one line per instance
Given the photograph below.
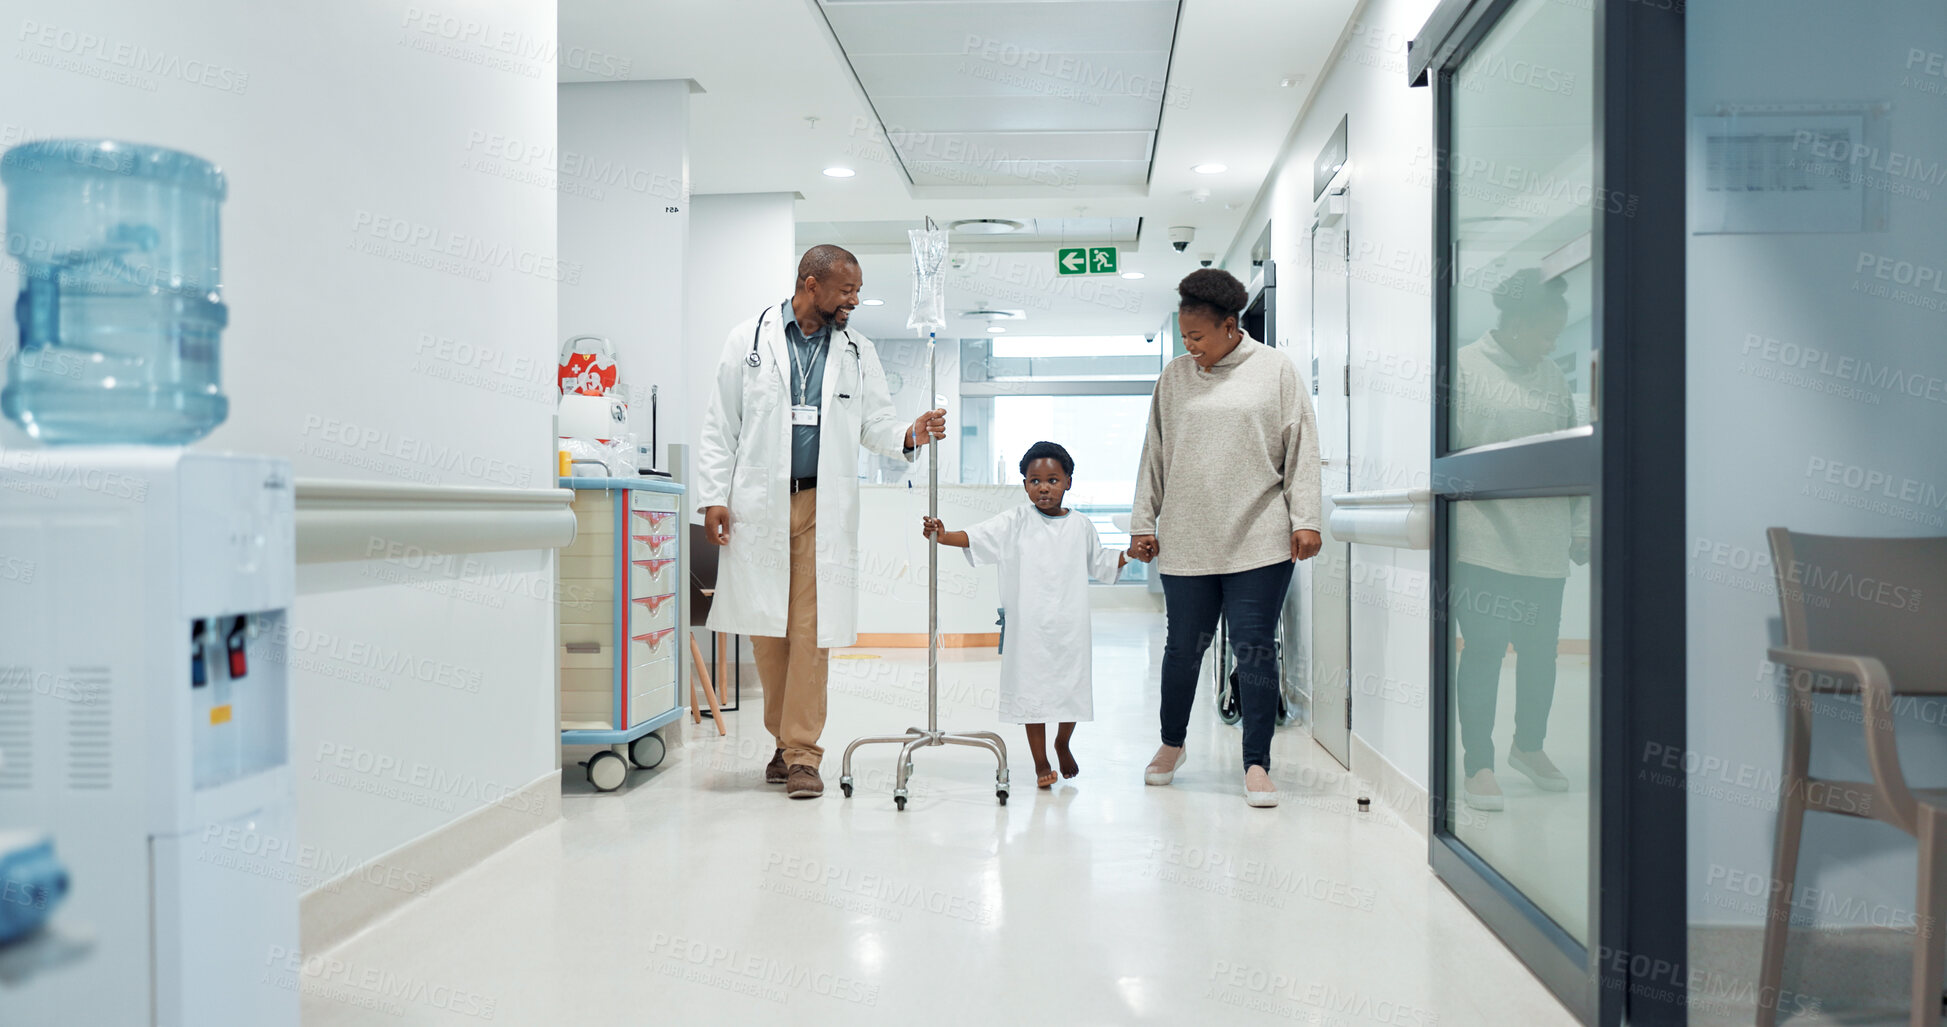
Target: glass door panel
x=1521 y=220
x=1518 y=673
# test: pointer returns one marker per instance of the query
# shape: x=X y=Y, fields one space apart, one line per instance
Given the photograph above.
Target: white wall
x=1391 y=217
x=892 y=559
x=742 y=258
x=625 y=217
x=362 y=147
x=1766 y=419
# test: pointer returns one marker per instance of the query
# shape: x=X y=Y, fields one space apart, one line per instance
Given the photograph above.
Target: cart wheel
x=606 y=771
x=899 y=801
x=1001 y=794
x=647 y=751
x=846 y=787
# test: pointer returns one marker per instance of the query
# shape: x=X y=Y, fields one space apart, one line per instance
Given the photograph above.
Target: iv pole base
x=915 y=739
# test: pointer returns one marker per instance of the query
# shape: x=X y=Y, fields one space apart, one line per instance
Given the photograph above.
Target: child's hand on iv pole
x=932 y=526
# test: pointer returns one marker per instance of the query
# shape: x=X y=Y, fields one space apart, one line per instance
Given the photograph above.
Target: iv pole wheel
x=900 y=802
x=1001 y=794
x=845 y=785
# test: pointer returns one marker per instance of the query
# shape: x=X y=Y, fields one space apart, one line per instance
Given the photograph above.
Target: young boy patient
x=1046 y=556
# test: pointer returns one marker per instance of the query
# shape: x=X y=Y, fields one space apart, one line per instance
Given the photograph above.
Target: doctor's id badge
x=804 y=413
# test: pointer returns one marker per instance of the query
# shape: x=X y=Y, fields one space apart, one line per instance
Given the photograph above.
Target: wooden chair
x=703 y=574
x=1860 y=619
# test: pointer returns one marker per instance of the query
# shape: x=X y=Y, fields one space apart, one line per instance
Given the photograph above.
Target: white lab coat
x=743 y=462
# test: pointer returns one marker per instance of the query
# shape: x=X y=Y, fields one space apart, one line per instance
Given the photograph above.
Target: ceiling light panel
x=1003 y=92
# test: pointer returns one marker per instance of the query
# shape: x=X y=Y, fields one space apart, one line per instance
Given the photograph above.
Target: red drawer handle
x=655 y=638
x=656 y=602
x=655 y=564
x=654 y=542
x=655 y=517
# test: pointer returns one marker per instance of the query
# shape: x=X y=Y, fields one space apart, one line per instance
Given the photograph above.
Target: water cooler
x=145 y=727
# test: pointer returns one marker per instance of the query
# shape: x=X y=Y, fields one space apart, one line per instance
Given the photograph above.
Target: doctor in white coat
x=797 y=393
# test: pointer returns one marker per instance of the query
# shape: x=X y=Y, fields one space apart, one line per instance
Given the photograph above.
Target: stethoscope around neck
x=756 y=360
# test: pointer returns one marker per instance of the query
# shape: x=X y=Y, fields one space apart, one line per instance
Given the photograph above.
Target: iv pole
x=916 y=738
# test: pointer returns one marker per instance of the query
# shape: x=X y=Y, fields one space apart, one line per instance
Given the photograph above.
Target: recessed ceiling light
x=874 y=303
x=986 y=226
x=1212 y=168
x=995 y=329
x=1132 y=275
x=839 y=172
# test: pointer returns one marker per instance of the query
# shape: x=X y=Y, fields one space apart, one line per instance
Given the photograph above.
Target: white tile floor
x=699 y=895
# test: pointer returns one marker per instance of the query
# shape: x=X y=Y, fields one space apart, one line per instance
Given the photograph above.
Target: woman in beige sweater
x=1226 y=501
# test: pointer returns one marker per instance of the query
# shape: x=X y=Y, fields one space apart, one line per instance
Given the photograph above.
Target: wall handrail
x=1399 y=518
x=363 y=520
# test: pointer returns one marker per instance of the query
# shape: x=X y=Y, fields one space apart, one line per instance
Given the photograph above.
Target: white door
x=1331 y=593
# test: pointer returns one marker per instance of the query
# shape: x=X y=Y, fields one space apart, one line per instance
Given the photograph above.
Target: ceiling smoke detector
x=986 y=226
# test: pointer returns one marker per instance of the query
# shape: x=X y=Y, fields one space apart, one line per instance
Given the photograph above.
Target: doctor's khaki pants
x=792 y=669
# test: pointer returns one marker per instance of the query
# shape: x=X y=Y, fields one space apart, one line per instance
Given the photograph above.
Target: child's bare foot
x=1069 y=768
x=1044 y=777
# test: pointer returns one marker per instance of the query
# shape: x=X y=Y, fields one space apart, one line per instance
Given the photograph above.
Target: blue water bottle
x=120 y=308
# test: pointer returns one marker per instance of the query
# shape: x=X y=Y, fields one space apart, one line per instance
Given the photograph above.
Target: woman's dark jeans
x=1250 y=602
x=1493 y=610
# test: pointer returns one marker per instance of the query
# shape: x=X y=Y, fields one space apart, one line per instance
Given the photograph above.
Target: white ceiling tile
x=984 y=148
x=1015 y=114
x=1077 y=77
x=1006 y=30
x=1062 y=175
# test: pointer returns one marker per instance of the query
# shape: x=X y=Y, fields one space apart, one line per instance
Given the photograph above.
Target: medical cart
x=622 y=609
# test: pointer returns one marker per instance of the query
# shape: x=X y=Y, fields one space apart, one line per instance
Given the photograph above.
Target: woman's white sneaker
x=1258 y=789
x=1162 y=768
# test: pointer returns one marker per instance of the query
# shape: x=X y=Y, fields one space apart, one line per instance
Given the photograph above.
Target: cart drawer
x=598 y=544
x=645 y=499
x=602 y=659
x=653 y=674
x=645 y=545
x=653 y=576
x=586 y=708
x=652 y=613
x=587 y=609
x=661 y=522
x=647 y=646
x=591 y=680
x=653 y=703
x=586 y=568
x=594 y=514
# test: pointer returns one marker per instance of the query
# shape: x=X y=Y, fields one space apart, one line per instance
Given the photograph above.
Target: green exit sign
x=1085 y=260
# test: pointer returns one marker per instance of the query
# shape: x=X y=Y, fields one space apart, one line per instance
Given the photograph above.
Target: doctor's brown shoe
x=774 y=772
x=804 y=783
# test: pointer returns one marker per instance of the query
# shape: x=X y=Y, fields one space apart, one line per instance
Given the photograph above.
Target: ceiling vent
x=993 y=315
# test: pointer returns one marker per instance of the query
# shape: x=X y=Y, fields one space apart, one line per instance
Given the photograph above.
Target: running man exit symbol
x=1085 y=260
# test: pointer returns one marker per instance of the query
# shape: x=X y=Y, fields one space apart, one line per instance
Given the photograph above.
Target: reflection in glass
x=1523 y=199
x=1506 y=386
x=1518 y=600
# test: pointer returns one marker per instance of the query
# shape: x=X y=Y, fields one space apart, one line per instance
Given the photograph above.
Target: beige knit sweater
x=1230 y=465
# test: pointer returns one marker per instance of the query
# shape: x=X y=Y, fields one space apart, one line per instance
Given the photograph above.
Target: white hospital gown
x=1045 y=566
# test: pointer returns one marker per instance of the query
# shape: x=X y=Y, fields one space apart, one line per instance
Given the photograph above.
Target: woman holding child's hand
x=1230 y=474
